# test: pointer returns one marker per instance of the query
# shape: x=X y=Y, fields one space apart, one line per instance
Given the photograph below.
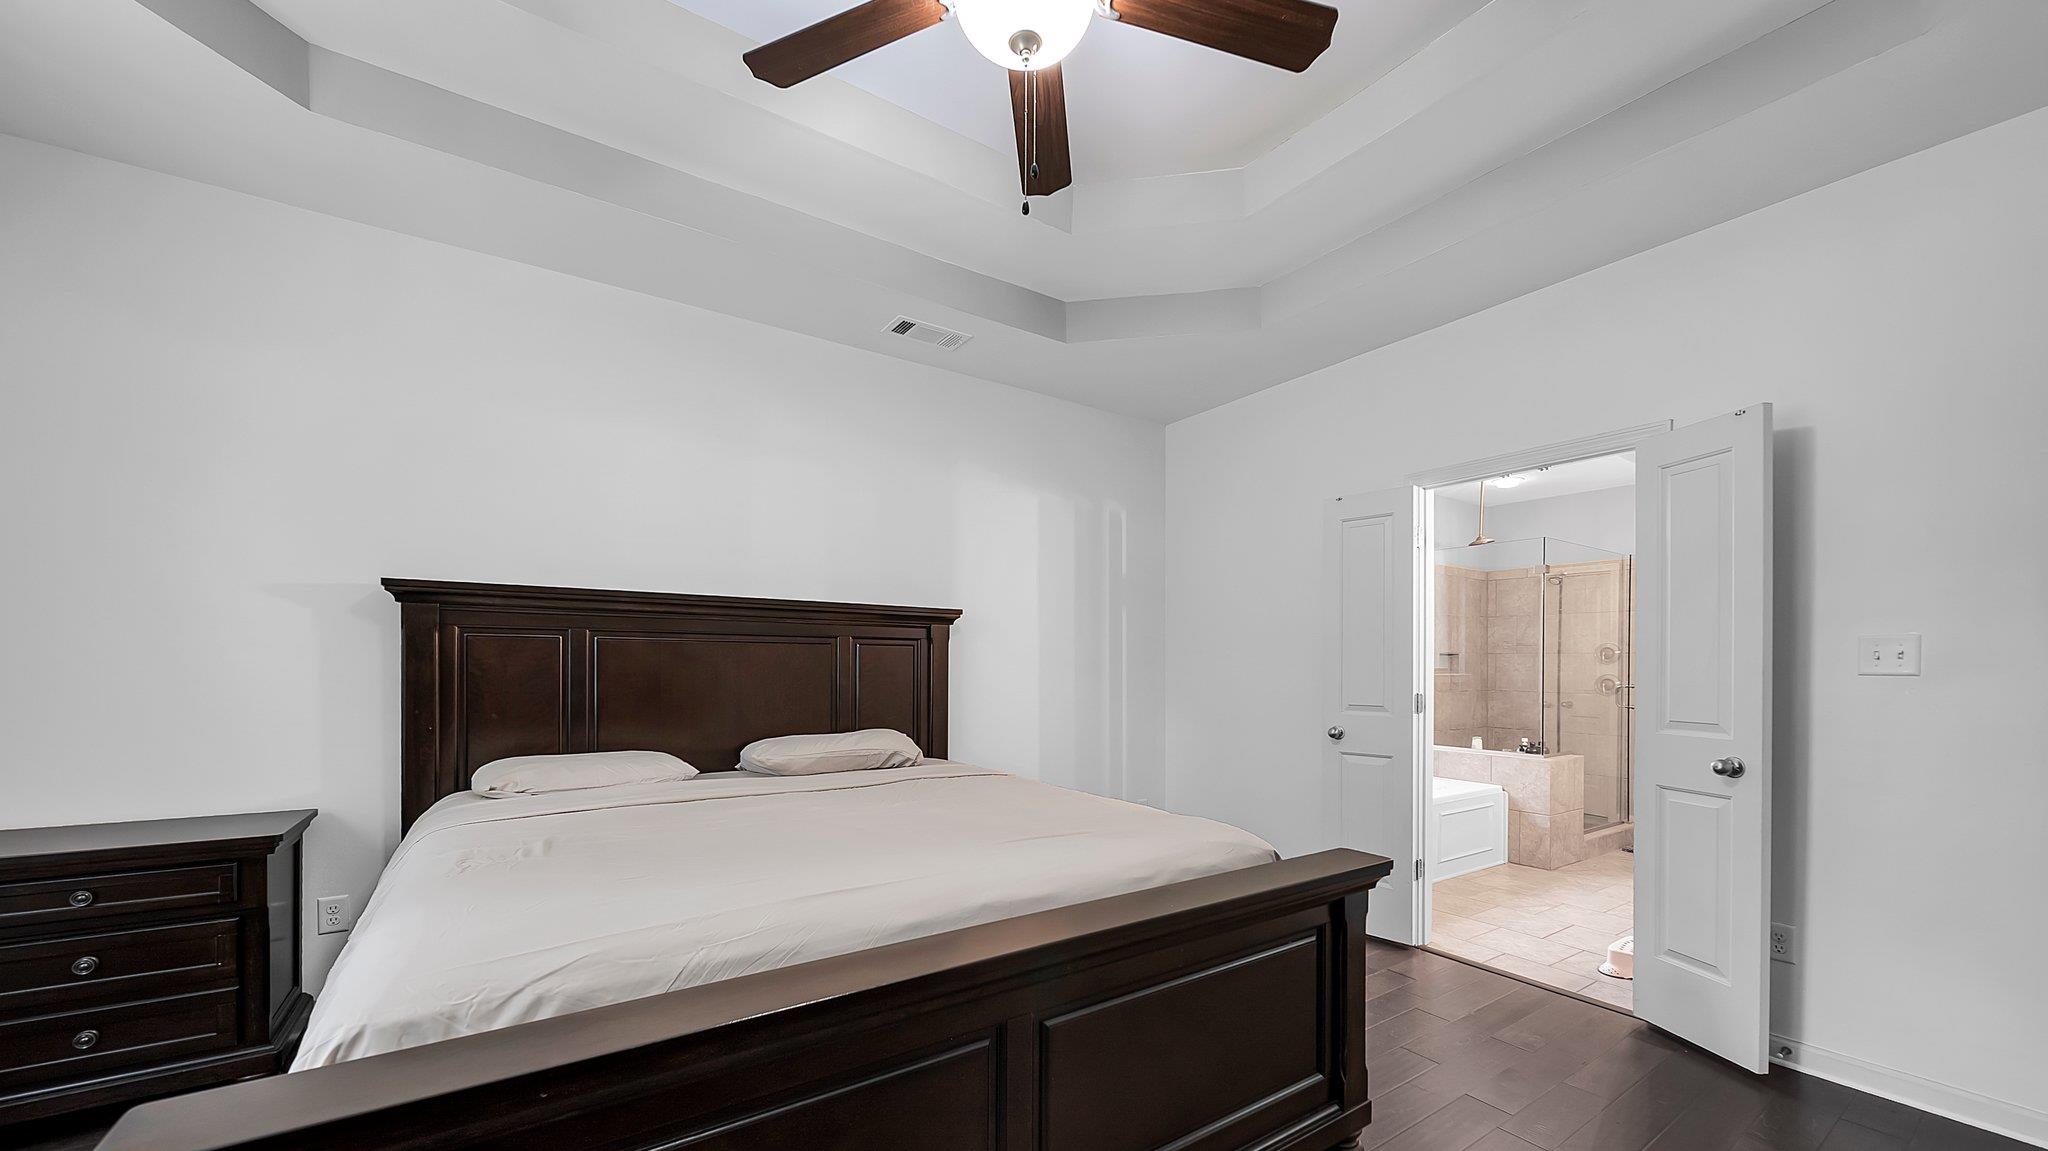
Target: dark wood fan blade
x=1287 y=34
x=1041 y=95
x=831 y=42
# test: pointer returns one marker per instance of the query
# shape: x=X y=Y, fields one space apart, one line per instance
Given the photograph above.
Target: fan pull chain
x=1031 y=129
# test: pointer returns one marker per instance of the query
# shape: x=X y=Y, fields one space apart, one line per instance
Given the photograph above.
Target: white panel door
x=1371 y=633
x=1703 y=733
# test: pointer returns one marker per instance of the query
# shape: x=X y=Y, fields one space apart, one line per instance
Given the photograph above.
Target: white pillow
x=840 y=751
x=537 y=774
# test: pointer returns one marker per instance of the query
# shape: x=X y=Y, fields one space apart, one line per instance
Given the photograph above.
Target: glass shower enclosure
x=1535 y=641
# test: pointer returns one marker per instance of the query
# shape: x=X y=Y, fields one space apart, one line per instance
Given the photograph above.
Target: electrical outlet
x=333 y=914
x=1784 y=943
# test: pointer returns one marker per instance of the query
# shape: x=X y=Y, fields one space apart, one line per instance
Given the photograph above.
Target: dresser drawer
x=81 y=1043
x=82 y=897
x=117 y=966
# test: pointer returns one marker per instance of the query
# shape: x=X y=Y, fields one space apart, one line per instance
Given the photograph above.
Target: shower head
x=1482 y=537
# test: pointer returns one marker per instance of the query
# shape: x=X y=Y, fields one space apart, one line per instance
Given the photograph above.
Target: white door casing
x=1372 y=637
x=1703 y=705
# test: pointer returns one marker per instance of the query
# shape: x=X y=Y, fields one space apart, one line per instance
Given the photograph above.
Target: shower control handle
x=1731 y=767
x=1335 y=734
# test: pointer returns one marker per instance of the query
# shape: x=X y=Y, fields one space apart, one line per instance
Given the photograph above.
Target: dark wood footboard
x=1224 y=1012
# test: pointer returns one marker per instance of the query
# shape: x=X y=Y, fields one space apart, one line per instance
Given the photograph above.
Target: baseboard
x=2022 y=1123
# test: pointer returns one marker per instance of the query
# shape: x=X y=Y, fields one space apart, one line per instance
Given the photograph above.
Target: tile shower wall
x=1587 y=608
x=1489 y=659
x=1514 y=628
x=1461 y=634
x=1511 y=642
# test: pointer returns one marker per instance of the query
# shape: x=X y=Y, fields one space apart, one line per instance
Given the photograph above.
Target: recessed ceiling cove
x=1153 y=106
x=1230 y=225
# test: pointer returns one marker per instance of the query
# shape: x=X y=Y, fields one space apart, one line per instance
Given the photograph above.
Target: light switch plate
x=1888 y=654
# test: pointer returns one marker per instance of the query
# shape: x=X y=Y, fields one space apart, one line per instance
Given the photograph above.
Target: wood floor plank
x=1400 y=1109
x=1936 y=1133
x=1381 y=982
x=1401 y=1029
x=1719 y=1115
x=1881 y=1115
x=1624 y=1065
x=1849 y=1136
x=1798 y=1111
x=1389 y=1069
x=1378 y=1011
x=1567 y=1017
x=1555 y=1116
x=1500 y=1140
x=1643 y=1112
x=1456 y=1127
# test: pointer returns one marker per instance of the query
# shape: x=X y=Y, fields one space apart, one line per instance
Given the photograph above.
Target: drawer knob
x=85 y=1039
x=85 y=965
x=81 y=899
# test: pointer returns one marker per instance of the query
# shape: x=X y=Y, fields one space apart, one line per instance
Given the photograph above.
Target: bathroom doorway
x=1529 y=832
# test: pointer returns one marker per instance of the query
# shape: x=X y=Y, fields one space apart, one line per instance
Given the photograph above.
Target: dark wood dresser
x=139 y=959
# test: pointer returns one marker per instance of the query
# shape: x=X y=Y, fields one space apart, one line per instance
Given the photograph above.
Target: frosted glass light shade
x=989 y=25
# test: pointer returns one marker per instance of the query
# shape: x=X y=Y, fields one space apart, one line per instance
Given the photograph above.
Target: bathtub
x=1468 y=826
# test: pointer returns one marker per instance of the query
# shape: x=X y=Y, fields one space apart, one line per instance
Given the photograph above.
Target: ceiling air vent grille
x=944 y=339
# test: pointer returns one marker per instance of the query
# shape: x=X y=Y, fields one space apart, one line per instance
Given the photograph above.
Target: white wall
x=1605 y=518
x=1899 y=320
x=224 y=419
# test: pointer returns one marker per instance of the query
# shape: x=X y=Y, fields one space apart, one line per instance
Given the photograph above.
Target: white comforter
x=499 y=911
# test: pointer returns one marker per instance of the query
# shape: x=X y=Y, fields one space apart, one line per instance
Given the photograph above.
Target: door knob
x=1336 y=733
x=1730 y=767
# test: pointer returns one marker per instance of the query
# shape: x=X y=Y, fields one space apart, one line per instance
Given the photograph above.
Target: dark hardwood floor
x=1467 y=1060
x=1463 y=1059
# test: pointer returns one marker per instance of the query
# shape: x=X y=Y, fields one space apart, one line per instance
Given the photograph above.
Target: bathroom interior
x=1530 y=830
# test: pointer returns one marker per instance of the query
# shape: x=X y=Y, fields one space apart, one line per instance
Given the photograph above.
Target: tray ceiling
x=1230 y=227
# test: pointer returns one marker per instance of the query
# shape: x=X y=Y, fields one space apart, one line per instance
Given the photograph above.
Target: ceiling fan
x=1031 y=37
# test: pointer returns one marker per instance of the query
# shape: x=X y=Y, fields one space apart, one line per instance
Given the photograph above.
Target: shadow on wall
x=1792 y=535
x=350 y=639
x=1084 y=624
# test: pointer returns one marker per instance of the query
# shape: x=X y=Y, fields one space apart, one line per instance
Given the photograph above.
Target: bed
x=934 y=956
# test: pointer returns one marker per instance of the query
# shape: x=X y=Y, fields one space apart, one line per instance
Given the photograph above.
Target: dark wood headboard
x=492 y=670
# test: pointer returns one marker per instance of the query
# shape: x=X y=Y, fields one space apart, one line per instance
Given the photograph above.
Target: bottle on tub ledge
x=1531 y=747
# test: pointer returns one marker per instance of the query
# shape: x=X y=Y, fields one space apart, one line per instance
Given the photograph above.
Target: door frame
x=1527 y=459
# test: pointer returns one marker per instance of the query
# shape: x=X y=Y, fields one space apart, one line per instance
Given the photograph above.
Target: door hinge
x=1418 y=703
x=1418 y=871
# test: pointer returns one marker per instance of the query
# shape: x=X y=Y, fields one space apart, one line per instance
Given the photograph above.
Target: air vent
x=944 y=339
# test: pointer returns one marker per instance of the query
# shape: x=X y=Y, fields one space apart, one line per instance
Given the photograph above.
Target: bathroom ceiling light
x=1511 y=480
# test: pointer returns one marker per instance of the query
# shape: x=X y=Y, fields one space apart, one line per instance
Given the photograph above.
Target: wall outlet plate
x=1888 y=654
x=1784 y=943
x=331 y=914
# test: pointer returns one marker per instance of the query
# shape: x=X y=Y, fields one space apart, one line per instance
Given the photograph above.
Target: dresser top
x=271 y=828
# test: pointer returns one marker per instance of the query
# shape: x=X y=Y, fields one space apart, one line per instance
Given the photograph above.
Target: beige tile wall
x=1546 y=800
x=1461 y=640
x=1494 y=668
x=1514 y=701
x=1588 y=670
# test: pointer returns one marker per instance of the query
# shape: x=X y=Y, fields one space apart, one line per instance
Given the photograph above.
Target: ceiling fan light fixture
x=998 y=29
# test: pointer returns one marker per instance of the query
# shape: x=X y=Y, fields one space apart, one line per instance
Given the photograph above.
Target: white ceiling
x=1596 y=474
x=1141 y=104
x=1444 y=157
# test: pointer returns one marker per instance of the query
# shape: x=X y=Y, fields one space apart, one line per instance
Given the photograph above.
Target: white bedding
x=499 y=911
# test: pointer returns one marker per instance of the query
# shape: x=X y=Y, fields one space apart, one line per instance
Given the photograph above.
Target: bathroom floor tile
x=1583 y=938
x=1459 y=927
x=1547 y=974
x=1605 y=921
x=1527 y=946
x=1549 y=926
x=1538 y=921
